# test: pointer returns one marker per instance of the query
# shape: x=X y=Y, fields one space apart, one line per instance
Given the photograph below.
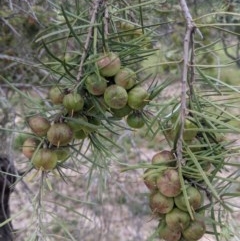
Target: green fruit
x=109 y=64
x=62 y=154
x=44 y=159
x=160 y=203
x=194 y=145
x=135 y=120
x=177 y=219
x=73 y=102
x=119 y=113
x=29 y=146
x=189 y=135
x=164 y=157
x=56 y=95
x=19 y=140
x=77 y=123
x=95 y=84
x=168 y=234
x=80 y=134
x=168 y=183
x=194 y=197
x=194 y=231
x=39 y=125
x=137 y=98
x=126 y=78
x=115 y=96
x=93 y=125
x=96 y=106
x=59 y=134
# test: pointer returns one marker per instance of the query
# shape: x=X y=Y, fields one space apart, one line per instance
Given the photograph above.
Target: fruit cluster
x=109 y=93
x=167 y=200
x=47 y=147
x=122 y=95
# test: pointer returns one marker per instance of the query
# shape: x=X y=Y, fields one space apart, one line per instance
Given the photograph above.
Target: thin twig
x=186 y=50
x=39 y=211
x=106 y=20
x=10 y=26
x=90 y=32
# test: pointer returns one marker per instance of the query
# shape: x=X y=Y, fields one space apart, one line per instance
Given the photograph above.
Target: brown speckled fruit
x=39 y=125
x=137 y=97
x=29 y=146
x=59 y=134
x=164 y=157
x=109 y=64
x=56 y=95
x=150 y=178
x=168 y=183
x=44 y=159
x=177 y=219
x=160 y=203
x=115 y=96
x=194 y=198
x=194 y=231
x=168 y=234
x=73 y=102
x=126 y=78
x=95 y=84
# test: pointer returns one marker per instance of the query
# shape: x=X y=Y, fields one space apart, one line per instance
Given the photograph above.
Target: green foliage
x=200 y=133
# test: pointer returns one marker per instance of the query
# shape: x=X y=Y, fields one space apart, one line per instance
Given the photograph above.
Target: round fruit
x=62 y=154
x=150 y=179
x=59 y=134
x=121 y=112
x=56 y=95
x=177 y=219
x=160 y=203
x=44 y=159
x=164 y=157
x=168 y=234
x=194 y=231
x=135 y=120
x=168 y=183
x=29 y=146
x=77 y=123
x=95 y=84
x=115 y=96
x=194 y=198
x=189 y=135
x=96 y=105
x=39 y=125
x=137 y=97
x=80 y=134
x=73 y=102
x=19 y=140
x=126 y=78
x=194 y=145
x=109 y=64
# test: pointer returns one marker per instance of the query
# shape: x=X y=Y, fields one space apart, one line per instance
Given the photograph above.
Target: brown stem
x=89 y=36
x=186 y=50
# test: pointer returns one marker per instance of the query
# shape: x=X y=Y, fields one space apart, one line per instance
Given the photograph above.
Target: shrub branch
x=186 y=56
x=89 y=36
